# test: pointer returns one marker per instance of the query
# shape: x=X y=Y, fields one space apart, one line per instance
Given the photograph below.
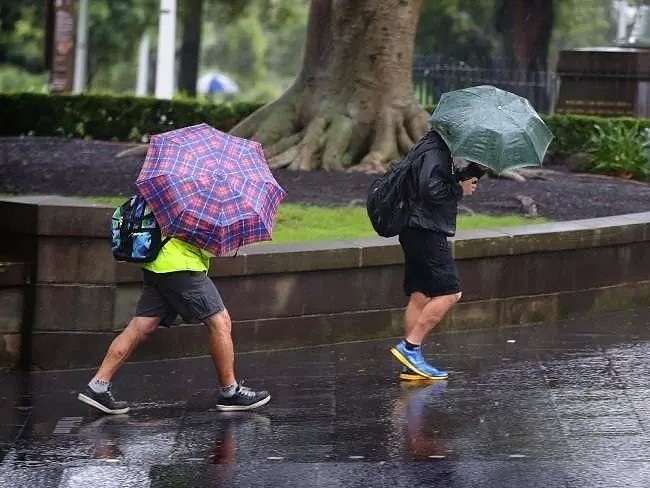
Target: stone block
x=549 y=272
x=468 y=315
x=75 y=260
x=71 y=349
x=366 y=324
x=603 y=299
x=229 y=265
x=639 y=262
x=54 y=215
x=11 y=309
x=284 y=332
x=182 y=340
x=311 y=256
x=9 y=350
x=18 y=217
x=552 y=236
x=128 y=272
x=13 y=274
x=338 y=291
x=126 y=299
x=642 y=218
x=602 y=266
x=74 y=307
x=481 y=243
x=529 y=309
x=254 y=297
x=616 y=230
x=623 y=297
x=497 y=277
x=379 y=251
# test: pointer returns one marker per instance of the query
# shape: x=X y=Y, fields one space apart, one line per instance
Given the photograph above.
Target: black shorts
x=190 y=294
x=428 y=263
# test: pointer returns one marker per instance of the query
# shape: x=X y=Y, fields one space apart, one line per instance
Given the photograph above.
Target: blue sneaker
x=414 y=361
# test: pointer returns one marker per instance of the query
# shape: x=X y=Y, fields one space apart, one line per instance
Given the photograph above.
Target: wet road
x=563 y=405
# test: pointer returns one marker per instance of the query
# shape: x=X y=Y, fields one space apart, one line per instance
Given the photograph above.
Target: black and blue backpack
x=391 y=196
x=135 y=233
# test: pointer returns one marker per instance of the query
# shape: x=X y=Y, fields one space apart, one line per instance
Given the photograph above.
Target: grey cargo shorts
x=190 y=294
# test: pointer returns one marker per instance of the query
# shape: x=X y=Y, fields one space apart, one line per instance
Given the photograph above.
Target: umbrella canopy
x=213 y=83
x=209 y=188
x=493 y=127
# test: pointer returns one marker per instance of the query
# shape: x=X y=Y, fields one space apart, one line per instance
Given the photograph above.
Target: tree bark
x=352 y=102
x=190 y=46
x=526 y=26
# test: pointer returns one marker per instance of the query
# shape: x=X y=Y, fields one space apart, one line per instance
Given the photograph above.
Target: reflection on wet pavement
x=551 y=405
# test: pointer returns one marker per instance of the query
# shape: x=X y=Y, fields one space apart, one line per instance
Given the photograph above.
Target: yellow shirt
x=177 y=255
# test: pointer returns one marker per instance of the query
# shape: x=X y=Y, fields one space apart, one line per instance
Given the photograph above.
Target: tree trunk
x=526 y=26
x=190 y=46
x=352 y=102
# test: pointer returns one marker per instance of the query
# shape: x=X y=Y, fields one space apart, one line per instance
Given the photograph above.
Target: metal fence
x=432 y=78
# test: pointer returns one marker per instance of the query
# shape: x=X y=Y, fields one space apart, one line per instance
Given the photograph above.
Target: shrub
x=620 y=150
x=109 y=117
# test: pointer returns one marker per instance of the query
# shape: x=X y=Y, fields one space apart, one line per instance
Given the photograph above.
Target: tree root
x=528 y=206
x=332 y=139
x=139 y=150
x=509 y=175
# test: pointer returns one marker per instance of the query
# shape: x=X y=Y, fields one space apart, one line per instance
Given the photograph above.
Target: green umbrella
x=493 y=127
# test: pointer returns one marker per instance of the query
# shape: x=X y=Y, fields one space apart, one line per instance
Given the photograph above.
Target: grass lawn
x=300 y=223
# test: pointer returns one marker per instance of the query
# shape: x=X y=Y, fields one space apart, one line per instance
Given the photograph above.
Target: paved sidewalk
x=554 y=405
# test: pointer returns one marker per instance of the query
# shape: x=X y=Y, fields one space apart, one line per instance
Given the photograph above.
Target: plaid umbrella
x=209 y=188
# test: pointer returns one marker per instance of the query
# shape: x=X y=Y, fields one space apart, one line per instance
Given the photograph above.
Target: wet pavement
x=564 y=405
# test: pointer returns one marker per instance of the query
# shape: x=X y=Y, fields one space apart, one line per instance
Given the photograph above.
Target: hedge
x=107 y=117
x=124 y=118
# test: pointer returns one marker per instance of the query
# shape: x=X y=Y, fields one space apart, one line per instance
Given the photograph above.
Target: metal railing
x=432 y=78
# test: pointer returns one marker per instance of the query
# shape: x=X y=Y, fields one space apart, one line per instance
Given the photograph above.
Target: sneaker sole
x=89 y=401
x=406 y=363
x=239 y=408
x=413 y=377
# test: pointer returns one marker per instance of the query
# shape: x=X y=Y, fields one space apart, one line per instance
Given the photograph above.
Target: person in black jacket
x=430 y=275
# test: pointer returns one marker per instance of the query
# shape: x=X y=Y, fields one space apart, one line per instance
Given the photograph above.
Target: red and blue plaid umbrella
x=209 y=188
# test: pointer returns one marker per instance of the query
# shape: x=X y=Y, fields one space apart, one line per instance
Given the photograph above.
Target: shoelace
x=109 y=394
x=245 y=391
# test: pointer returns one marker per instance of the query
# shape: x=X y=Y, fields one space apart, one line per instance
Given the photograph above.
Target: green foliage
x=15 y=79
x=260 y=46
x=581 y=23
x=570 y=132
x=573 y=132
x=464 y=30
x=22 y=33
x=620 y=150
x=114 y=31
x=108 y=117
x=461 y=30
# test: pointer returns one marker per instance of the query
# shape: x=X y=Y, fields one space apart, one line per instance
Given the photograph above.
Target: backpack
x=389 y=198
x=135 y=233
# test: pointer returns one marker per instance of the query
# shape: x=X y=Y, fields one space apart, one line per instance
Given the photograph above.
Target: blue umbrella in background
x=215 y=83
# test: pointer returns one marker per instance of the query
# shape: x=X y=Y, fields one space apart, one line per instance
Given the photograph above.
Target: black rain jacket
x=433 y=187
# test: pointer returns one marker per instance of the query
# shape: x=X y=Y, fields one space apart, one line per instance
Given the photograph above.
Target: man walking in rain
x=493 y=128
x=187 y=176
x=430 y=275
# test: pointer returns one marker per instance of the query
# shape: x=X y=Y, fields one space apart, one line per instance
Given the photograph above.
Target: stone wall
x=290 y=295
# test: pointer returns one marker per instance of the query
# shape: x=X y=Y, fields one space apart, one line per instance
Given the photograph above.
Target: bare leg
x=221 y=347
x=418 y=325
x=124 y=344
x=416 y=303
